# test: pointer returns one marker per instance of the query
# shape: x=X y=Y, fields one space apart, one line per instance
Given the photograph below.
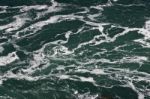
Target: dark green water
x=75 y=49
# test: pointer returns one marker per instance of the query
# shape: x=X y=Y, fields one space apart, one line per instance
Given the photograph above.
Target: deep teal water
x=74 y=49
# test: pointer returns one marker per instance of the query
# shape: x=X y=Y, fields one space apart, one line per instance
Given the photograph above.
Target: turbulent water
x=75 y=49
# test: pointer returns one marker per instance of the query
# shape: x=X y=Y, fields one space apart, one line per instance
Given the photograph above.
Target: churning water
x=75 y=49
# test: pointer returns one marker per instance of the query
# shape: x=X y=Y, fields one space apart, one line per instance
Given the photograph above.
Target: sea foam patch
x=134 y=59
x=4 y=60
x=147 y=25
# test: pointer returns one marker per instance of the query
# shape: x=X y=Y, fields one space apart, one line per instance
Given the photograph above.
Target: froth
x=8 y=59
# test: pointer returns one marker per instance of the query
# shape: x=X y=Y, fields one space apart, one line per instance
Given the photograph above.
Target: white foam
x=115 y=0
x=144 y=43
x=38 y=26
x=98 y=71
x=134 y=59
x=4 y=60
x=61 y=50
x=147 y=25
x=38 y=59
x=18 y=76
x=36 y=7
x=18 y=23
x=87 y=79
x=93 y=17
x=60 y=68
x=77 y=78
x=64 y=76
x=101 y=28
x=146 y=32
x=93 y=71
x=87 y=96
x=67 y=35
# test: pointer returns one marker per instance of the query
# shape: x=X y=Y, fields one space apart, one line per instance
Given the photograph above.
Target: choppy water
x=75 y=49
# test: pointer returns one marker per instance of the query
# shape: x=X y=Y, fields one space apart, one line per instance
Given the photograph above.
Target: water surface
x=74 y=49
